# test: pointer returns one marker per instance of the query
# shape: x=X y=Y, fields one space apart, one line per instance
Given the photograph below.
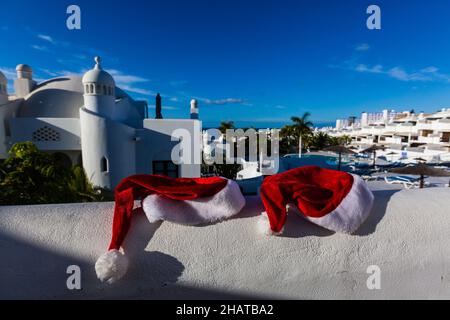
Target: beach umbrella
x=340 y=150
x=392 y=154
x=422 y=170
x=373 y=149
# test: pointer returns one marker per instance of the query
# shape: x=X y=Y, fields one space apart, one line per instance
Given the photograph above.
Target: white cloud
x=280 y=107
x=61 y=73
x=50 y=73
x=221 y=102
x=430 y=70
x=402 y=75
x=67 y=73
x=127 y=82
x=124 y=81
x=39 y=48
x=364 y=68
x=9 y=73
x=426 y=74
x=164 y=107
x=120 y=77
x=46 y=38
x=136 y=90
x=430 y=73
x=362 y=47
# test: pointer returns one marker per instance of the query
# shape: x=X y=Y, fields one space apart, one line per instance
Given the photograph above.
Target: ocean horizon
x=263 y=124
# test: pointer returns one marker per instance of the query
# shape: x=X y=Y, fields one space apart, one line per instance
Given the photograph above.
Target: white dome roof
x=58 y=98
x=3 y=79
x=98 y=75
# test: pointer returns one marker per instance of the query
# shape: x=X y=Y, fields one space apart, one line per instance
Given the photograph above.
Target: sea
x=263 y=124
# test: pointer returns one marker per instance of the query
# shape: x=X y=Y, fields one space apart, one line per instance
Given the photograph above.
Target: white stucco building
x=91 y=122
x=408 y=134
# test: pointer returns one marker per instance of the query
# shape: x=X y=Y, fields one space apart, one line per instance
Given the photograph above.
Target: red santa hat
x=335 y=200
x=187 y=201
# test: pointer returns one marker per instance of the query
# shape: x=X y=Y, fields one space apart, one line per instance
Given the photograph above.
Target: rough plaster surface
x=407 y=236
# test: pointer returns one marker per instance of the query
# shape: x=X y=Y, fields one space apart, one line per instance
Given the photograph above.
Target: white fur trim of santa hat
x=351 y=212
x=224 y=204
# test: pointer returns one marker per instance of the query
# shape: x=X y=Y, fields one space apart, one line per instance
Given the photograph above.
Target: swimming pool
x=330 y=160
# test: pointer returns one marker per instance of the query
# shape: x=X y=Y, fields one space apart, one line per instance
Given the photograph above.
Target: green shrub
x=29 y=176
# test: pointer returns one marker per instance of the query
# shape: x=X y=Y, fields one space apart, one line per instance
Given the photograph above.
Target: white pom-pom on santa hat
x=185 y=201
x=335 y=200
x=111 y=266
x=263 y=226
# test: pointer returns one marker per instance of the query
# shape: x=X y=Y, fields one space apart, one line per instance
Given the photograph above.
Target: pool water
x=328 y=159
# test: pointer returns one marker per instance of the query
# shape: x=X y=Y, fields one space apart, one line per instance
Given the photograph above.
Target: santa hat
x=335 y=200
x=184 y=200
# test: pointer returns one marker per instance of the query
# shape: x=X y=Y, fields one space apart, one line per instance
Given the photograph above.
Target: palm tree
x=320 y=141
x=286 y=139
x=225 y=125
x=302 y=128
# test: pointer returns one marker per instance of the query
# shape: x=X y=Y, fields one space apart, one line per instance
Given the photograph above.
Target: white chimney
x=194 y=109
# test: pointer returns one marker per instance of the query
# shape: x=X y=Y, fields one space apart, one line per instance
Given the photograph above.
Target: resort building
x=91 y=122
x=416 y=134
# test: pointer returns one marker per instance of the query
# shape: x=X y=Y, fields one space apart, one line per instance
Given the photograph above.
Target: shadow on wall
x=382 y=198
x=28 y=271
x=297 y=227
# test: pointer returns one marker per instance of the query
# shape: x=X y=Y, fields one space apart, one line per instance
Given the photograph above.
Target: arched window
x=110 y=91
x=63 y=160
x=91 y=91
x=80 y=160
x=105 y=92
x=104 y=165
x=98 y=89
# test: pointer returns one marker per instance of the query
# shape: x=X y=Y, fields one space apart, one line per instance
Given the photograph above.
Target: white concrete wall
x=128 y=112
x=23 y=87
x=100 y=104
x=406 y=236
x=7 y=111
x=167 y=127
x=22 y=129
x=3 y=95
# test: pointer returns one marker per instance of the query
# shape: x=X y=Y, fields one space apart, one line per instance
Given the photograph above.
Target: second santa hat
x=336 y=200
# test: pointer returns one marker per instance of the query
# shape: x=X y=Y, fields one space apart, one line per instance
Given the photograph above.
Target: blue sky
x=248 y=61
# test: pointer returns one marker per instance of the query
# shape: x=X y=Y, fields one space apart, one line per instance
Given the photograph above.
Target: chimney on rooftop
x=194 y=109
x=158 y=107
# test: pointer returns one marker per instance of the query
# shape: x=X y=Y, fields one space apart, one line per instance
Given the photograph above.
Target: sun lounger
x=408 y=182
